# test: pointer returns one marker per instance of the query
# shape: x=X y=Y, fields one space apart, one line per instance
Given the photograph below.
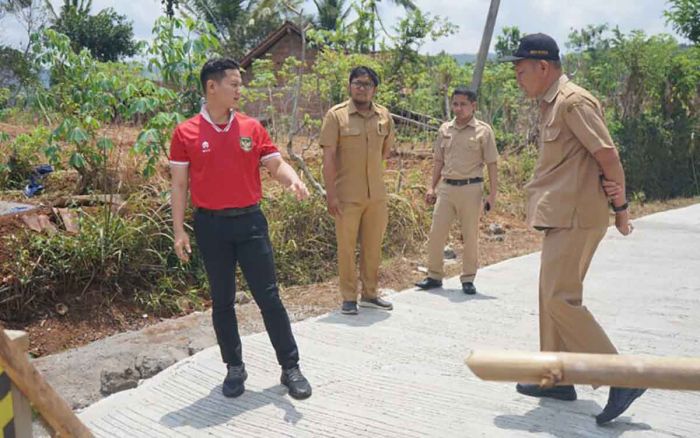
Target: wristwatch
x=623 y=207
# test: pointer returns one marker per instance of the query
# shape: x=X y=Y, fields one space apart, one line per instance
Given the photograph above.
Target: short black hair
x=364 y=71
x=215 y=69
x=464 y=91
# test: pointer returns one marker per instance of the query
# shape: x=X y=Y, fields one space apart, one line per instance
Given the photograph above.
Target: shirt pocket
x=350 y=136
x=550 y=134
x=446 y=141
x=551 y=145
x=383 y=128
x=474 y=143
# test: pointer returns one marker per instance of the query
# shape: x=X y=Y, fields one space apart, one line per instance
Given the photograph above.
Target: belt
x=463 y=182
x=229 y=212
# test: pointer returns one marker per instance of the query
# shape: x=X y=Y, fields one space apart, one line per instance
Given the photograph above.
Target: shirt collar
x=205 y=115
x=472 y=123
x=551 y=93
x=353 y=109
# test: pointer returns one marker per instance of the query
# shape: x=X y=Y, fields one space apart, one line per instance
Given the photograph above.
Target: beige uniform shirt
x=463 y=150
x=566 y=190
x=361 y=141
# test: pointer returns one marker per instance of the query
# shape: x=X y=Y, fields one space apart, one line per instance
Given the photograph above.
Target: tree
x=331 y=13
x=169 y=6
x=368 y=17
x=685 y=17
x=589 y=39
x=507 y=42
x=108 y=36
x=241 y=25
x=32 y=15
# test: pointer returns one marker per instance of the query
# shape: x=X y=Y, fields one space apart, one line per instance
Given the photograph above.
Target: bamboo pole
x=548 y=369
x=32 y=384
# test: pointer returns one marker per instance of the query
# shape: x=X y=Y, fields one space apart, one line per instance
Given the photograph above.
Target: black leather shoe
x=233 y=383
x=429 y=283
x=618 y=401
x=299 y=387
x=468 y=288
x=566 y=393
x=349 y=308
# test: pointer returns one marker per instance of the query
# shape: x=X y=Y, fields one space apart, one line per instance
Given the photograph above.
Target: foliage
x=507 y=42
x=179 y=50
x=112 y=255
x=685 y=17
x=331 y=13
x=21 y=155
x=16 y=70
x=108 y=36
x=240 y=25
x=89 y=95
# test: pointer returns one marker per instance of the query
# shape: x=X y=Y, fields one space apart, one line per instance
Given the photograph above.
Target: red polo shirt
x=224 y=160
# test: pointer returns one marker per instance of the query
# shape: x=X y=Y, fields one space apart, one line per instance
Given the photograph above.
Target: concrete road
x=402 y=374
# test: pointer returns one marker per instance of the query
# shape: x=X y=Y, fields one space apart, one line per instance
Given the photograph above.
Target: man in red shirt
x=217 y=155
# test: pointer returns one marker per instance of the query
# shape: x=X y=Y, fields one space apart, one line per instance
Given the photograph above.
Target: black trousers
x=225 y=242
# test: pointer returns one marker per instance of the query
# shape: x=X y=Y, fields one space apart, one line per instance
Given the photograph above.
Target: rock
x=201 y=342
x=150 y=366
x=449 y=253
x=496 y=229
x=112 y=381
x=242 y=298
x=498 y=238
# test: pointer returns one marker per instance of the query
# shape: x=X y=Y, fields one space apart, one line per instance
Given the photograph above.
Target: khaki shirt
x=464 y=150
x=361 y=141
x=566 y=190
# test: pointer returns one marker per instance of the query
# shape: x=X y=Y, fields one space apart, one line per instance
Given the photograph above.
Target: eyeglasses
x=360 y=84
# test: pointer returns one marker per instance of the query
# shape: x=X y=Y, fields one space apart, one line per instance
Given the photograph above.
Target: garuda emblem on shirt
x=246 y=143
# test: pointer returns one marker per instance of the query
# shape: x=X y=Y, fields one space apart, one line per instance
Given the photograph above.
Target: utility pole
x=485 y=44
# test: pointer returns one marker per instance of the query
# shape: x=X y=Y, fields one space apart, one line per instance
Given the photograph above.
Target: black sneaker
x=233 y=383
x=618 y=401
x=299 y=387
x=349 y=308
x=566 y=393
x=429 y=283
x=468 y=288
x=376 y=303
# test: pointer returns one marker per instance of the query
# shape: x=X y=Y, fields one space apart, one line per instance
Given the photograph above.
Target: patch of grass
x=113 y=254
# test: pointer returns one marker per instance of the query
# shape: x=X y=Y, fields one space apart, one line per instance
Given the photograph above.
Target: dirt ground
x=90 y=321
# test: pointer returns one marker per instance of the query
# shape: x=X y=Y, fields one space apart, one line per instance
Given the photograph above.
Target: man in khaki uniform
x=566 y=201
x=356 y=136
x=462 y=147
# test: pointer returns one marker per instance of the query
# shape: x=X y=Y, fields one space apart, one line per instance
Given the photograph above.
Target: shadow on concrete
x=365 y=318
x=567 y=419
x=457 y=296
x=215 y=409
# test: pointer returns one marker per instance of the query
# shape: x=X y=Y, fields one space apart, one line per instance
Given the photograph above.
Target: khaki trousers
x=566 y=325
x=368 y=221
x=462 y=203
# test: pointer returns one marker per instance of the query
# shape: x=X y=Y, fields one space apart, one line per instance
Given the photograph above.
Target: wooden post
x=31 y=383
x=549 y=369
x=485 y=44
x=20 y=405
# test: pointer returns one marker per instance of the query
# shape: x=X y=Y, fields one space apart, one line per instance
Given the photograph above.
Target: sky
x=555 y=17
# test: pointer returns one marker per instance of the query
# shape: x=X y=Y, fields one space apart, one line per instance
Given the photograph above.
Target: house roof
x=273 y=38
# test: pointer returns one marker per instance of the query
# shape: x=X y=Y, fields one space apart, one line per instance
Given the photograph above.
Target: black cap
x=535 y=46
